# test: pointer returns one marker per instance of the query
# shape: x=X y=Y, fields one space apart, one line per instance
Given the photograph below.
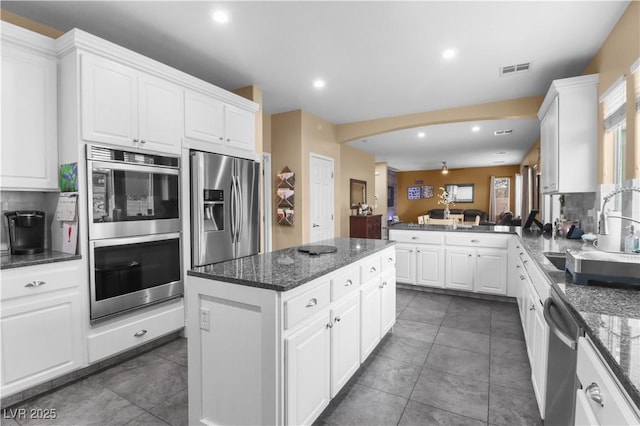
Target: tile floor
x=450 y=361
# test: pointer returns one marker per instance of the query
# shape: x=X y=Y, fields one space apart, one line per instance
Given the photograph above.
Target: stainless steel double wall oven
x=134 y=229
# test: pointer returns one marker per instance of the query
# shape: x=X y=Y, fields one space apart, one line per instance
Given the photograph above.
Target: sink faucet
x=602 y=224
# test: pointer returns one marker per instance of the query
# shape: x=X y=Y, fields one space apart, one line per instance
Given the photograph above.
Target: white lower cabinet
x=457 y=260
x=387 y=303
x=600 y=400
x=430 y=266
x=41 y=321
x=308 y=371
x=370 y=315
x=345 y=342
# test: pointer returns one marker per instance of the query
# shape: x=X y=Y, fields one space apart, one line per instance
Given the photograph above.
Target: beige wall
x=614 y=59
x=409 y=210
x=29 y=24
x=355 y=164
x=286 y=151
x=514 y=108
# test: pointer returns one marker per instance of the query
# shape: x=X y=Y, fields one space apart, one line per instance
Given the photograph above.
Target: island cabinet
x=269 y=356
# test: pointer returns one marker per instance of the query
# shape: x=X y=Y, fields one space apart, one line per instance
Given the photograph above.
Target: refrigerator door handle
x=233 y=208
x=240 y=215
x=198 y=210
x=555 y=329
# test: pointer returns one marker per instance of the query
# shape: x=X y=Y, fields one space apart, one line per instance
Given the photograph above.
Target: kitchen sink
x=557 y=259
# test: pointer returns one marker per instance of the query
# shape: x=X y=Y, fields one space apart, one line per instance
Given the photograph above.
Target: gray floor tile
x=415 y=330
x=403 y=297
x=405 y=349
x=473 y=365
x=390 y=375
x=505 y=311
x=474 y=320
x=365 y=406
x=457 y=394
x=463 y=339
x=175 y=410
x=147 y=419
x=418 y=414
x=83 y=403
x=422 y=314
x=432 y=301
x=175 y=351
x=470 y=305
x=503 y=347
x=7 y=420
x=511 y=329
x=145 y=380
x=511 y=373
x=512 y=407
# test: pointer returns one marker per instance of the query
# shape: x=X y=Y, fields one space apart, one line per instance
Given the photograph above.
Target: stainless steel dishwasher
x=562 y=357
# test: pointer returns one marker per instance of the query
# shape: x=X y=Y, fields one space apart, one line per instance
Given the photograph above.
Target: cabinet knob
x=532 y=307
x=140 y=333
x=470 y=255
x=329 y=325
x=35 y=283
x=373 y=269
x=311 y=303
x=135 y=140
x=143 y=141
x=410 y=251
x=518 y=266
x=417 y=251
x=475 y=241
x=348 y=283
x=221 y=138
x=228 y=140
x=337 y=319
x=479 y=256
x=546 y=187
x=521 y=277
x=390 y=260
x=594 y=393
x=415 y=238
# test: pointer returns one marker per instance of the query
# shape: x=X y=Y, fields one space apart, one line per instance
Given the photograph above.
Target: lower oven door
x=128 y=273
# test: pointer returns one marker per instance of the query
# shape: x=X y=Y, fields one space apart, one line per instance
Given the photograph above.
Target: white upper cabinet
x=29 y=148
x=569 y=135
x=216 y=126
x=123 y=106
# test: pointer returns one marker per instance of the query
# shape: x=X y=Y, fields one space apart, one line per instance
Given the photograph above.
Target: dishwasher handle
x=555 y=329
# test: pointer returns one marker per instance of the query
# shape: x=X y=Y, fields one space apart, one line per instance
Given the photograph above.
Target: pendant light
x=445 y=169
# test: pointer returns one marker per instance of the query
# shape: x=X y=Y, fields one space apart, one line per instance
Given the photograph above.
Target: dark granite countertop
x=9 y=261
x=609 y=316
x=288 y=268
x=485 y=229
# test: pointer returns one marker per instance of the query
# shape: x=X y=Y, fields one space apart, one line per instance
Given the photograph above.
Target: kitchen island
x=273 y=337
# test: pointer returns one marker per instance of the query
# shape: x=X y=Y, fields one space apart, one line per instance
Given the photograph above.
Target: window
x=615 y=127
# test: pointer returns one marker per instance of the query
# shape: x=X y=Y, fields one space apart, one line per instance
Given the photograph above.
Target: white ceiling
x=378 y=58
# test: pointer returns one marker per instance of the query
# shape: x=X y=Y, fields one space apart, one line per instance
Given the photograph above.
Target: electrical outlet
x=205 y=319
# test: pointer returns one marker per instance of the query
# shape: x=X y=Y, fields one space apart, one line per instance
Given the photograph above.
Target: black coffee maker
x=26 y=231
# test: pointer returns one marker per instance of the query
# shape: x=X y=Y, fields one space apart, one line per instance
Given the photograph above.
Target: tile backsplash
x=577 y=206
x=27 y=200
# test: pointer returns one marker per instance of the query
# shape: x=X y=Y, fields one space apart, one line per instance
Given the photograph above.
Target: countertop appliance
x=135 y=234
x=224 y=208
x=26 y=231
x=562 y=360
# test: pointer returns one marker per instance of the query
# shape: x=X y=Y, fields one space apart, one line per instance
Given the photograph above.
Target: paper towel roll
x=611 y=241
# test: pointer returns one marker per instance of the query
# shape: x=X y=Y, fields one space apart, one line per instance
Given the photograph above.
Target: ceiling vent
x=503 y=132
x=515 y=69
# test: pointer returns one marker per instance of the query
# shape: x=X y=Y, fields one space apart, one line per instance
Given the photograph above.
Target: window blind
x=613 y=101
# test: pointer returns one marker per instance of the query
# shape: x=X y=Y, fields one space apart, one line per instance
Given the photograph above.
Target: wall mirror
x=358 y=192
x=460 y=192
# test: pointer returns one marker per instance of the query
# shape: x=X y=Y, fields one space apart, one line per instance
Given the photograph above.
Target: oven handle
x=131 y=264
x=134 y=240
x=132 y=167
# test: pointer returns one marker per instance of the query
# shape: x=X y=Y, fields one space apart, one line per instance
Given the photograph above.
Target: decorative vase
x=446 y=212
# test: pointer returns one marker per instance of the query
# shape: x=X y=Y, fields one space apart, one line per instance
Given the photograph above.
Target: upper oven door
x=132 y=199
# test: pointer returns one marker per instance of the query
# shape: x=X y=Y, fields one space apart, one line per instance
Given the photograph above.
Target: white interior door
x=321 y=190
x=267 y=219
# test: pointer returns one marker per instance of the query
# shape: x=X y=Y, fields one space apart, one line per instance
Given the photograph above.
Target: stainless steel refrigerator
x=224 y=208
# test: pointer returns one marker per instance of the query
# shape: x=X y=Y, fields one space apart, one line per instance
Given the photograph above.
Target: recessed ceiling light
x=319 y=84
x=475 y=129
x=220 y=16
x=449 y=53
x=422 y=134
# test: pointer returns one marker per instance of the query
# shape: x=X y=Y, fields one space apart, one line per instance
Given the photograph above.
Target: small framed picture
x=414 y=192
x=426 y=191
